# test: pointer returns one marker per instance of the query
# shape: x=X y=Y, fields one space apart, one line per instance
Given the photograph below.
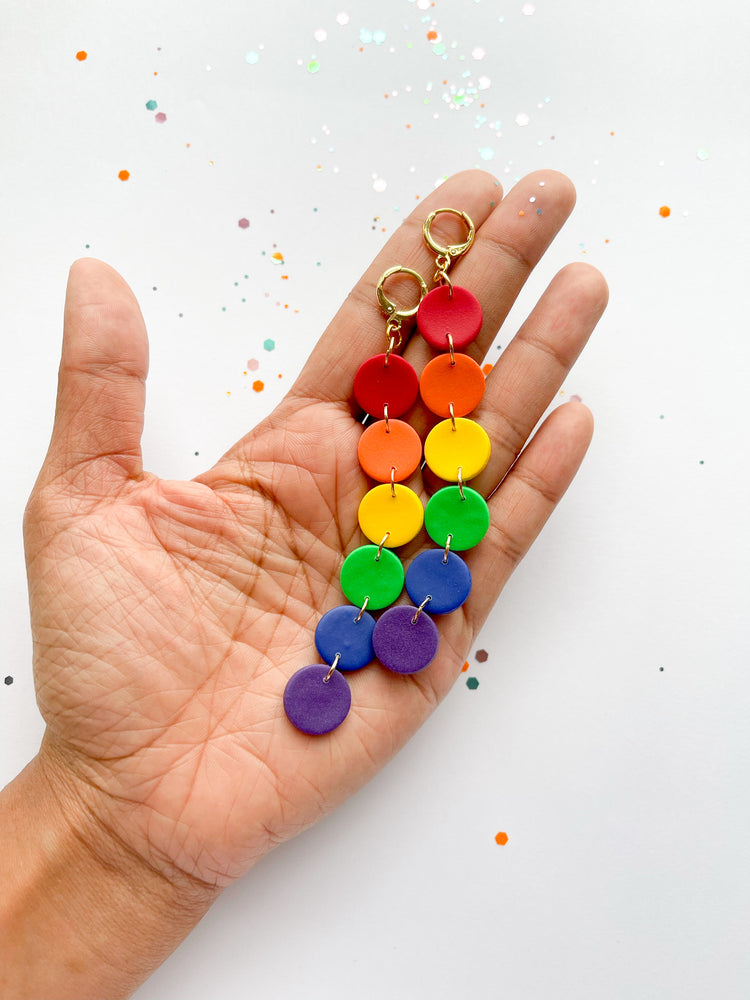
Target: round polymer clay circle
x=377 y=385
x=364 y=574
x=314 y=705
x=441 y=313
x=339 y=633
x=446 y=581
x=459 y=382
x=403 y=645
x=395 y=511
x=392 y=446
x=465 y=446
x=466 y=521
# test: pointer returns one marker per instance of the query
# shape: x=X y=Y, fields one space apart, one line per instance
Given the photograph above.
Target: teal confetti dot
x=252 y=58
x=487 y=153
x=472 y=683
x=268 y=345
x=152 y=105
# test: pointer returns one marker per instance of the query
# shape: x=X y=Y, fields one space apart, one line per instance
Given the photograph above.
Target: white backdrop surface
x=608 y=733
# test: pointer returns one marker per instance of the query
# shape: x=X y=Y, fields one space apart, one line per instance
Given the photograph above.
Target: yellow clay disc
x=465 y=447
x=400 y=516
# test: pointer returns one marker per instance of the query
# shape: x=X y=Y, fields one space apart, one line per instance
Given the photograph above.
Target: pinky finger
x=522 y=504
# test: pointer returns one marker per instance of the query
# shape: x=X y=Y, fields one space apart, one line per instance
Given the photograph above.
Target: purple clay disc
x=314 y=705
x=403 y=645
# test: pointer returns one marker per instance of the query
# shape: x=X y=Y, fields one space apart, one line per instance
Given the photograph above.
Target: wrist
x=81 y=914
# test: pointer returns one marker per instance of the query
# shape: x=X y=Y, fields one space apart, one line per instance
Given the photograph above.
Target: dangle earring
x=405 y=640
x=317 y=698
x=456 y=449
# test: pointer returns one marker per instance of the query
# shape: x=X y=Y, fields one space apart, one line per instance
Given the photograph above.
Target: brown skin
x=168 y=616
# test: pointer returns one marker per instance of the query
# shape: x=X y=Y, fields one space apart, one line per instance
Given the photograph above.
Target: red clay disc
x=460 y=383
x=377 y=385
x=440 y=314
x=379 y=451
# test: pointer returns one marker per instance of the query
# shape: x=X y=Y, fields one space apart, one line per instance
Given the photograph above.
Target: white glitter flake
x=379 y=184
x=320 y=35
x=342 y=18
x=478 y=53
x=522 y=119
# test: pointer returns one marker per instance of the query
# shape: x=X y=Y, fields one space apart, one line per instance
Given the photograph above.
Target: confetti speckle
x=243 y=223
x=80 y=56
x=481 y=656
x=522 y=119
x=258 y=386
x=313 y=66
x=487 y=153
x=268 y=345
x=124 y=175
x=160 y=117
x=251 y=58
x=151 y=105
x=478 y=53
x=320 y=35
x=528 y=9
x=665 y=211
x=501 y=839
x=379 y=185
x=702 y=154
x=9 y=679
x=472 y=683
x=253 y=364
x=342 y=18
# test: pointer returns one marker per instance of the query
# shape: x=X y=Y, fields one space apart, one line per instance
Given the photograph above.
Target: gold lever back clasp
x=446 y=255
x=395 y=315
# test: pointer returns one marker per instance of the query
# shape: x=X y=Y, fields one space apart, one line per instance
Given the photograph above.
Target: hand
x=168 y=616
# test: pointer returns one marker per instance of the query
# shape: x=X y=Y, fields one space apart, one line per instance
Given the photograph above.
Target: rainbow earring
x=317 y=698
x=457 y=448
x=404 y=639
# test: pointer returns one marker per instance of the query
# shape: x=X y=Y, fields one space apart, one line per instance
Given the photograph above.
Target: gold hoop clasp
x=454 y=250
x=395 y=315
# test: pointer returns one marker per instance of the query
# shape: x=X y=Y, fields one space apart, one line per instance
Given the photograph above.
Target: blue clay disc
x=313 y=705
x=447 y=583
x=403 y=645
x=339 y=632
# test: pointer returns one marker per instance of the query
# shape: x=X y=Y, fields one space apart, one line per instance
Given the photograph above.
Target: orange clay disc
x=380 y=450
x=460 y=383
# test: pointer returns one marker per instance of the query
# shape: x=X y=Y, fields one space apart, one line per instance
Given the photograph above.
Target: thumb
x=102 y=381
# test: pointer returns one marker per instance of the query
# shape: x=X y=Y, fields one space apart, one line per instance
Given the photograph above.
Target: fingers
x=358 y=329
x=101 y=384
x=523 y=503
x=532 y=368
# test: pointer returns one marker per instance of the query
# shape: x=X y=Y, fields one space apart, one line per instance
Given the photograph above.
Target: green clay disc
x=364 y=574
x=465 y=520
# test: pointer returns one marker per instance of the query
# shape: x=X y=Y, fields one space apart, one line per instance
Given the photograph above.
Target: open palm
x=168 y=616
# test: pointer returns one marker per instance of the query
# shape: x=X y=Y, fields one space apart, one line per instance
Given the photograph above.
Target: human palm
x=168 y=616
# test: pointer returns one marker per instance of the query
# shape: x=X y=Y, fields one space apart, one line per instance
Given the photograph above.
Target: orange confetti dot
x=665 y=211
x=431 y=35
x=277 y=256
x=522 y=213
x=501 y=838
x=258 y=386
x=124 y=175
x=465 y=667
x=80 y=56
x=487 y=368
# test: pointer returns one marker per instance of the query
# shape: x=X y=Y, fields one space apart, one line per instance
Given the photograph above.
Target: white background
x=608 y=735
